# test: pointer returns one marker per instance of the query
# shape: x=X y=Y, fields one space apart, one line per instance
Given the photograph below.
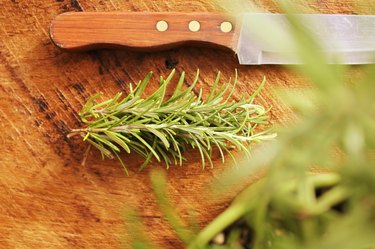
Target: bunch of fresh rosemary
x=162 y=128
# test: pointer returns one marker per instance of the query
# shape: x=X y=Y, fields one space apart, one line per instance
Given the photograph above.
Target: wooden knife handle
x=82 y=31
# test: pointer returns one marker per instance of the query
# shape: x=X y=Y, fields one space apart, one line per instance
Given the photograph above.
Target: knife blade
x=257 y=38
x=268 y=38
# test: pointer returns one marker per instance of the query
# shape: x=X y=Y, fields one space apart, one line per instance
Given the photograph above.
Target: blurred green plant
x=291 y=207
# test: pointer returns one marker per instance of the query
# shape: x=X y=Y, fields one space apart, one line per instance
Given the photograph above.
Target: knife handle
x=82 y=31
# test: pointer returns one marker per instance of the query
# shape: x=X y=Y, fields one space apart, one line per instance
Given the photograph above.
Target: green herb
x=290 y=207
x=163 y=128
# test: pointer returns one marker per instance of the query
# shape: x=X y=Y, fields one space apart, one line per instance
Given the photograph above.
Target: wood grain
x=82 y=31
x=47 y=199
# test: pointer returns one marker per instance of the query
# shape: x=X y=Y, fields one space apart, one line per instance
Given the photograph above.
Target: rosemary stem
x=160 y=128
x=226 y=218
x=82 y=131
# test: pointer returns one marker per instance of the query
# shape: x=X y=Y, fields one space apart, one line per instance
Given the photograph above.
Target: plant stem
x=225 y=219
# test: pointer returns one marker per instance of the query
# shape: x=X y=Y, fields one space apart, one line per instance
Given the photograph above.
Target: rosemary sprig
x=160 y=128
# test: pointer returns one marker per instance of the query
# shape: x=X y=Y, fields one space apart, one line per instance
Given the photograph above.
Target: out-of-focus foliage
x=291 y=207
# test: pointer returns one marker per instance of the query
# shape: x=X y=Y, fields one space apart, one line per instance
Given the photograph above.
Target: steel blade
x=267 y=38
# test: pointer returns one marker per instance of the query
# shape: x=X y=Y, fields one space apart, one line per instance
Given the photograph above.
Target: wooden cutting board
x=47 y=198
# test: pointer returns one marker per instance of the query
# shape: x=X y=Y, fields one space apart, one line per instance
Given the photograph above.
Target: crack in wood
x=77 y=5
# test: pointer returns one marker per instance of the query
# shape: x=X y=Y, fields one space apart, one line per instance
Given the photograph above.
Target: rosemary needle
x=160 y=128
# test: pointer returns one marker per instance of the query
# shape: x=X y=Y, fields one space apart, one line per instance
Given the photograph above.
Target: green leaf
x=104 y=141
x=117 y=138
x=147 y=145
x=160 y=135
x=142 y=85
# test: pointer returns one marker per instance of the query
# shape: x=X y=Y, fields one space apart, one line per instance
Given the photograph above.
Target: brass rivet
x=194 y=26
x=226 y=27
x=162 y=26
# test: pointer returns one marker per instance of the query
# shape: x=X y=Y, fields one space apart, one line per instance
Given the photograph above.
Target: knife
x=257 y=38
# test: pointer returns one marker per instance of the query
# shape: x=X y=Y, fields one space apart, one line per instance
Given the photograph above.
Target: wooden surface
x=80 y=31
x=47 y=199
